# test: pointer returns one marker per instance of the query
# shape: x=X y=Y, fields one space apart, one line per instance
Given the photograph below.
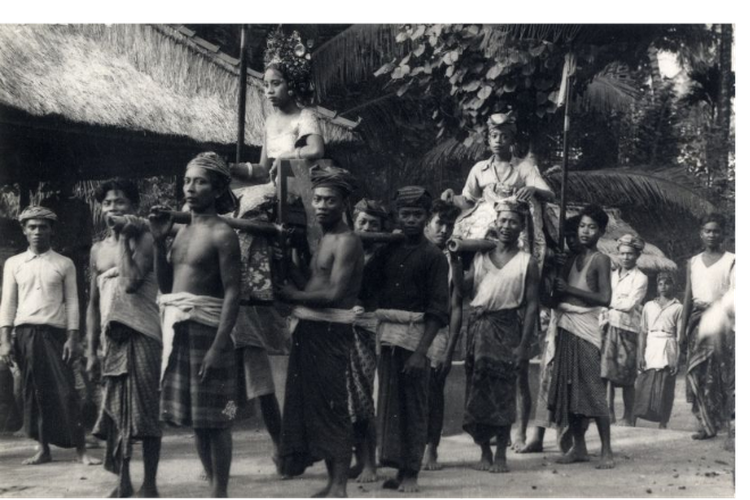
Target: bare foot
x=606 y=462
x=277 y=463
x=409 y=485
x=431 y=459
x=700 y=435
x=391 y=484
x=519 y=440
x=368 y=475
x=500 y=466
x=531 y=447
x=432 y=465
x=87 y=459
x=662 y=426
x=574 y=456
x=206 y=476
x=484 y=463
x=41 y=457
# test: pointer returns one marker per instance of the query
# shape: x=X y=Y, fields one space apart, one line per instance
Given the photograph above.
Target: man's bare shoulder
x=222 y=232
x=602 y=261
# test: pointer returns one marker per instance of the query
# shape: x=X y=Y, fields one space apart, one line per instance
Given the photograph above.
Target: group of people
x=166 y=328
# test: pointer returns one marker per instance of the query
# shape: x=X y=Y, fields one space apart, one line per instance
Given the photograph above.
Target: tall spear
x=568 y=70
x=242 y=95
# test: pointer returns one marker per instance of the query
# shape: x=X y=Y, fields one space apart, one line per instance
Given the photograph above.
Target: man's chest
x=37 y=274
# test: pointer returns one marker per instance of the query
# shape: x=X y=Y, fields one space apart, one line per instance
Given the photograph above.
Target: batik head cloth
x=502 y=120
x=333 y=177
x=37 y=212
x=631 y=241
x=212 y=162
x=665 y=275
x=512 y=205
x=371 y=207
x=413 y=196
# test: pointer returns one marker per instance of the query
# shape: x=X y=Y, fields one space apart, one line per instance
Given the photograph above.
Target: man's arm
x=161 y=227
x=436 y=314
x=347 y=252
x=642 y=339
x=72 y=313
x=687 y=307
x=228 y=245
x=136 y=258
x=531 y=310
x=93 y=314
x=454 y=327
x=632 y=299
x=8 y=309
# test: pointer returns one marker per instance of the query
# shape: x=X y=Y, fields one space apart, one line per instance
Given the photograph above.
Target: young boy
x=658 y=354
x=577 y=391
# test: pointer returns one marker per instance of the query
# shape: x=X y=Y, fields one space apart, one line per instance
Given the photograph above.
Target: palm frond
x=624 y=188
x=613 y=89
x=354 y=55
x=450 y=152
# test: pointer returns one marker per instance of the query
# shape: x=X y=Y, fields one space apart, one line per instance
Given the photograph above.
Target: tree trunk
x=724 y=108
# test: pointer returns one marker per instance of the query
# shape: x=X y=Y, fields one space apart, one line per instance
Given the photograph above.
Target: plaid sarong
x=619 y=356
x=187 y=401
x=130 y=409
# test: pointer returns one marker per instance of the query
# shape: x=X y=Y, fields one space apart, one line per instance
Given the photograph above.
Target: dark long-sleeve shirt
x=410 y=279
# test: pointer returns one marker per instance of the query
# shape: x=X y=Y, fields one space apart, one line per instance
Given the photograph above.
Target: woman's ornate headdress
x=290 y=56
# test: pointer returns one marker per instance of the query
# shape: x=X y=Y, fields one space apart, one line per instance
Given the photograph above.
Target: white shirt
x=508 y=177
x=283 y=138
x=40 y=290
x=628 y=291
x=496 y=288
x=709 y=284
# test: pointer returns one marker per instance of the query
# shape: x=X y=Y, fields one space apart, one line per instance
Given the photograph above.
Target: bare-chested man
x=577 y=392
x=122 y=305
x=199 y=278
x=316 y=423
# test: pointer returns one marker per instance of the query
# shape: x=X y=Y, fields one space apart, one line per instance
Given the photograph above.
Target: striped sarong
x=187 y=401
x=360 y=376
x=130 y=409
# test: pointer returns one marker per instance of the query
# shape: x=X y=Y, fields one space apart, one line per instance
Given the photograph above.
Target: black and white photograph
x=391 y=260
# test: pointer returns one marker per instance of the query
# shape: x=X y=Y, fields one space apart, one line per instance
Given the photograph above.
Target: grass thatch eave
x=129 y=76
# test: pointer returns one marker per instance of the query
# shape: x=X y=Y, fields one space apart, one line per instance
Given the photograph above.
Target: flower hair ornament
x=290 y=56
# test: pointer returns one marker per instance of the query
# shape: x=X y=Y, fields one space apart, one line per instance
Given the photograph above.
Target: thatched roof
x=652 y=259
x=150 y=78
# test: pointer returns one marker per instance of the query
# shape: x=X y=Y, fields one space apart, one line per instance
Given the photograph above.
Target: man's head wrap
x=502 y=120
x=632 y=241
x=413 y=196
x=37 y=212
x=212 y=162
x=665 y=275
x=371 y=207
x=512 y=205
x=333 y=177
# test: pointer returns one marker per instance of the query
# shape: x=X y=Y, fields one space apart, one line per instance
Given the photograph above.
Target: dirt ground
x=649 y=462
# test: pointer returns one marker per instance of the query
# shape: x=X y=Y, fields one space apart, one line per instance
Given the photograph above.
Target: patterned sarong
x=619 y=356
x=360 y=375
